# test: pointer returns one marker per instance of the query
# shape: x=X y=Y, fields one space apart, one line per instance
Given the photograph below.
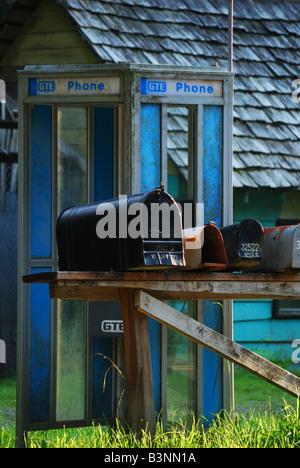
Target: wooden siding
x=48 y=37
x=254 y=326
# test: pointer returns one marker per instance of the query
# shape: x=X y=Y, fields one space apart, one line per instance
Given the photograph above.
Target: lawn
x=251 y=392
x=264 y=417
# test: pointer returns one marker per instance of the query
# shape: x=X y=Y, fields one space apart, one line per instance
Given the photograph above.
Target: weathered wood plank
x=174 y=275
x=101 y=290
x=217 y=343
x=95 y=286
x=108 y=290
x=138 y=365
x=78 y=292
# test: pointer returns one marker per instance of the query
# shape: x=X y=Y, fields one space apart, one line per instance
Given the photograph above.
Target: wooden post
x=218 y=343
x=138 y=365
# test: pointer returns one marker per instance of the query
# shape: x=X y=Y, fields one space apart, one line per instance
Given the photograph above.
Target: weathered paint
x=41 y=246
x=213 y=164
x=71 y=360
x=282 y=249
x=103 y=153
x=150 y=178
x=150 y=146
x=40 y=351
x=41 y=156
x=213 y=210
x=102 y=401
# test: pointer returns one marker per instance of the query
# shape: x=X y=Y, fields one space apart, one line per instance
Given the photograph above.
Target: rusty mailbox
x=244 y=243
x=204 y=248
x=140 y=231
x=282 y=249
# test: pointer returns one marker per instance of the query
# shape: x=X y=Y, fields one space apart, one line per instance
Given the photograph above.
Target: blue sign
x=69 y=86
x=181 y=87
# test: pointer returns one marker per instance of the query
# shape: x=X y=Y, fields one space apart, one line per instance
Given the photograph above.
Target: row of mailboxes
x=144 y=232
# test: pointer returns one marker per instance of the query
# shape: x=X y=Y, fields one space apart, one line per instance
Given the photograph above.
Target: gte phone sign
x=2 y=352
x=181 y=87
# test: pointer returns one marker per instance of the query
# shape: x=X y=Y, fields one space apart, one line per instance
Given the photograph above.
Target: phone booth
x=91 y=133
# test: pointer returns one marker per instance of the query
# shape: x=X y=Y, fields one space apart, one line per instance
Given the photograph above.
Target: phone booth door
x=69 y=158
x=186 y=142
x=61 y=177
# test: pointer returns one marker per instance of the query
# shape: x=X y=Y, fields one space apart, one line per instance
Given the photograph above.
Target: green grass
x=7 y=392
x=257 y=430
x=265 y=417
x=253 y=392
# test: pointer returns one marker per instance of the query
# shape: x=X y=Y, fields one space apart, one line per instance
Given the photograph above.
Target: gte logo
x=46 y=86
x=115 y=326
x=157 y=86
x=2 y=352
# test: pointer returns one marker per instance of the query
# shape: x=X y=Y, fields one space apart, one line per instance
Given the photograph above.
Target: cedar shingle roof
x=194 y=32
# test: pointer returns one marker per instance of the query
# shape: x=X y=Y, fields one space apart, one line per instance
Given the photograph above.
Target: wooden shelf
x=169 y=285
x=141 y=293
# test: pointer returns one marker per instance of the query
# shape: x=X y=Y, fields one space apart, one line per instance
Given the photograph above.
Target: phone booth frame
x=139 y=142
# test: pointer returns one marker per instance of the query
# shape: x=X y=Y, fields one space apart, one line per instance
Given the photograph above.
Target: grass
x=253 y=392
x=7 y=392
x=265 y=417
x=257 y=430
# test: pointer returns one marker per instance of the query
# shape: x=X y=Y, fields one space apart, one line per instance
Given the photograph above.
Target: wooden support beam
x=217 y=343
x=138 y=365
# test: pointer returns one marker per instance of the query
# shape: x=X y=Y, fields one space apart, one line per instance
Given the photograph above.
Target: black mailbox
x=244 y=243
x=141 y=231
x=282 y=249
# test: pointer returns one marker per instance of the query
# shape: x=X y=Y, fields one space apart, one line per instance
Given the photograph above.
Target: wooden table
x=141 y=295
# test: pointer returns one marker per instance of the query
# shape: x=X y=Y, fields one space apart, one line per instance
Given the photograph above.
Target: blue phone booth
x=90 y=133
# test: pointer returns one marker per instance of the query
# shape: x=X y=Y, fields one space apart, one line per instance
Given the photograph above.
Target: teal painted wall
x=254 y=326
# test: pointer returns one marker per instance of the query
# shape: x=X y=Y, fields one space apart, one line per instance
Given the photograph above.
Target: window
x=181 y=354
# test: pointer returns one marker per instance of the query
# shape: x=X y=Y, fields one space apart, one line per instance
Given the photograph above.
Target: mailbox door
x=71 y=162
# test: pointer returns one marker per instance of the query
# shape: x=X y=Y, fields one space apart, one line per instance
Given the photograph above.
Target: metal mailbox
x=141 y=231
x=204 y=248
x=282 y=249
x=244 y=243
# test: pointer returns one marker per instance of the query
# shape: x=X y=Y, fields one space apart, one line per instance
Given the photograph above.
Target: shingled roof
x=194 y=32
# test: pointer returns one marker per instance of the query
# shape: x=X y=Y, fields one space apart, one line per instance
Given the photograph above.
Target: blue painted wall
x=213 y=211
x=150 y=178
x=41 y=246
